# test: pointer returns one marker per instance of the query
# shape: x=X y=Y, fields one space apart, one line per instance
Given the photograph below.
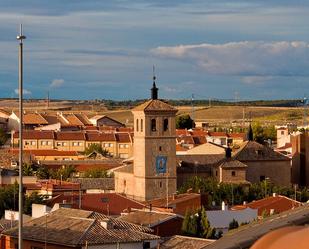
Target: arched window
x=153 y=125
x=136 y=124
x=142 y=125
x=165 y=124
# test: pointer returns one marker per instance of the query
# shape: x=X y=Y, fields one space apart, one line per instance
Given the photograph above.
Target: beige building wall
x=269 y=169
x=148 y=145
x=227 y=175
x=45 y=144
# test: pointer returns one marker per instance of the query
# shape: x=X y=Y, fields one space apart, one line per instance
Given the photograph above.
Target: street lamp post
x=20 y=38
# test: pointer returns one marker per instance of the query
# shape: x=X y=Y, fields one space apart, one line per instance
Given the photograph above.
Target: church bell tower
x=154 y=167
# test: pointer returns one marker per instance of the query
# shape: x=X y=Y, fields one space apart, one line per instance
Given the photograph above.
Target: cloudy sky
x=225 y=49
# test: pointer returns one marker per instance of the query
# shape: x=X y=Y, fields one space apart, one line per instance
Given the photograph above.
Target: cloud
x=25 y=91
x=256 y=80
x=246 y=58
x=56 y=83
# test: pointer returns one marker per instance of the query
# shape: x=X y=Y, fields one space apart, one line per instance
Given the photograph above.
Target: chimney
x=223 y=207
x=107 y=224
x=228 y=152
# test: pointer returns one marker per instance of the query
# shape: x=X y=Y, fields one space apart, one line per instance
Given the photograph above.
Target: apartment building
x=117 y=144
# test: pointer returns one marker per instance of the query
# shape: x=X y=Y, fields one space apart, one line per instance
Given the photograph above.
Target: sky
x=95 y=49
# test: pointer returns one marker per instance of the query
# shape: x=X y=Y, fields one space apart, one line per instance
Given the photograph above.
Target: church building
x=152 y=174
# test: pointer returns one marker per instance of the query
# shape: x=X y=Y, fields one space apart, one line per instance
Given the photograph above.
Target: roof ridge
x=240 y=149
x=86 y=231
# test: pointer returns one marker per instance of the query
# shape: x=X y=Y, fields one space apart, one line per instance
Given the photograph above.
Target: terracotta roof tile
x=98 y=136
x=70 y=135
x=35 y=134
x=34 y=118
x=183 y=242
x=123 y=137
x=278 y=203
x=155 y=105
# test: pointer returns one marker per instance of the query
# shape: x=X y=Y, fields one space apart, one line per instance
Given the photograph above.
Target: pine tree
x=208 y=232
x=185 y=223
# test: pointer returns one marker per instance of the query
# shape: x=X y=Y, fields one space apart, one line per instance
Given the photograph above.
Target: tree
x=233 y=224
x=262 y=134
x=28 y=169
x=29 y=200
x=3 y=137
x=196 y=224
x=184 y=122
x=96 y=148
x=96 y=173
x=43 y=172
x=63 y=173
x=206 y=232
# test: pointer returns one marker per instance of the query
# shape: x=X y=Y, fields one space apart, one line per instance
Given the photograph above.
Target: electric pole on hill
x=20 y=38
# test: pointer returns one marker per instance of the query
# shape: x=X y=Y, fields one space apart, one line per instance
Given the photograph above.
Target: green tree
x=96 y=148
x=3 y=137
x=63 y=173
x=96 y=173
x=233 y=224
x=258 y=132
x=28 y=169
x=184 y=122
x=29 y=200
x=262 y=134
x=206 y=232
x=196 y=224
x=43 y=172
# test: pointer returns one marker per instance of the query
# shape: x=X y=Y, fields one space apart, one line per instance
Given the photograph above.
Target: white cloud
x=246 y=58
x=25 y=91
x=56 y=83
x=252 y=80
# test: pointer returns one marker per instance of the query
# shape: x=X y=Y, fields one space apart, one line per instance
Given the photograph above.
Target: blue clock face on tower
x=161 y=164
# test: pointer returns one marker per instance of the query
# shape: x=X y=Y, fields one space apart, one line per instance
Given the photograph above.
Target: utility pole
x=192 y=104
x=20 y=38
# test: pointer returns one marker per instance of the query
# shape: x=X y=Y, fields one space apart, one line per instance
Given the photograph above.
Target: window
x=160 y=184
x=282 y=132
x=165 y=124
x=153 y=125
x=43 y=143
x=105 y=145
x=59 y=144
x=142 y=125
x=121 y=146
x=146 y=245
x=123 y=155
x=126 y=146
x=64 y=143
x=233 y=173
x=105 y=199
x=110 y=145
x=216 y=172
x=160 y=148
x=136 y=124
x=32 y=142
x=75 y=143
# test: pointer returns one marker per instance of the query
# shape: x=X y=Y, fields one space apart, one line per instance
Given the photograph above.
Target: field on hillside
x=217 y=115
x=228 y=114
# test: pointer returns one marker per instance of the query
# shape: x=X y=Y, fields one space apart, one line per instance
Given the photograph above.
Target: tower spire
x=154 y=89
